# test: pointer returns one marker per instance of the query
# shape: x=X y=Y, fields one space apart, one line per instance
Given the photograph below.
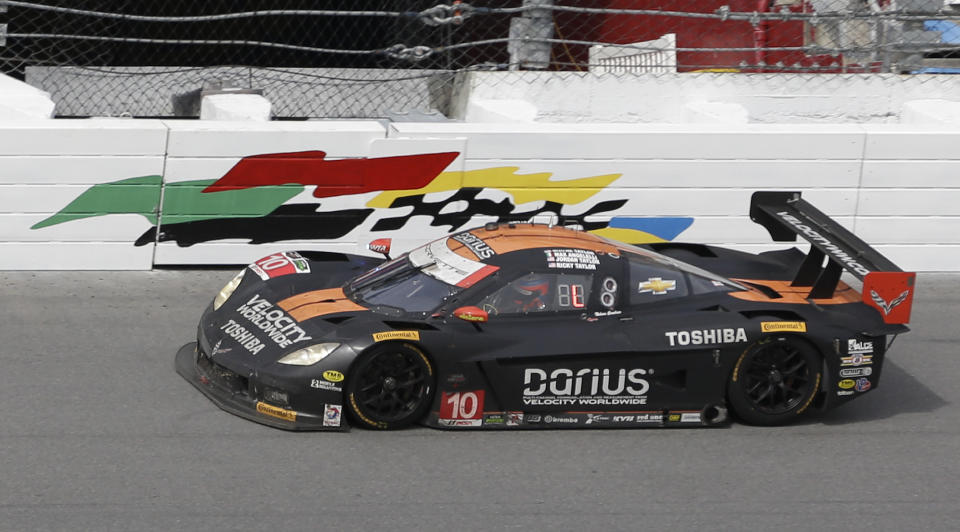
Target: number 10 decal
x=467 y=406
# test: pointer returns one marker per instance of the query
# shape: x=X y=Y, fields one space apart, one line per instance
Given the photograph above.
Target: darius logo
x=586 y=386
x=706 y=337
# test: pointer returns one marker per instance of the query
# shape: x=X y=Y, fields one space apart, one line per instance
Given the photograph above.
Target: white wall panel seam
x=163 y=187
x=856 y=203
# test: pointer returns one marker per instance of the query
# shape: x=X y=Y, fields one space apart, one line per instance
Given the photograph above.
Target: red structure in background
x=708 y=34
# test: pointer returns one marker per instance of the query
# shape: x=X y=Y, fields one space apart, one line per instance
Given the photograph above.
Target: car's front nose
x=266 y=397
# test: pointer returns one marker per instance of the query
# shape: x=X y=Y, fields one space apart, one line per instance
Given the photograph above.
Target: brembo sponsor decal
x=279 y=327
x=586 y=386
x=706 y=336
x=831 y=248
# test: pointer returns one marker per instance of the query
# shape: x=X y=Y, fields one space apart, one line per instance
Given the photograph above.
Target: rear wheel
x=774 y=381
x=390 y=386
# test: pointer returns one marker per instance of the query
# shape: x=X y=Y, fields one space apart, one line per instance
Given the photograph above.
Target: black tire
x=774 y=381
x=390 y=386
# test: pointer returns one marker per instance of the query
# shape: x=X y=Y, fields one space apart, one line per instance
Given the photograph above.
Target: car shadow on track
x=898 y=393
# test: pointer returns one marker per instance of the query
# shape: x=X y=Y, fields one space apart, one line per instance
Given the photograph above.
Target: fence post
x=527 y=54
x=3 y=27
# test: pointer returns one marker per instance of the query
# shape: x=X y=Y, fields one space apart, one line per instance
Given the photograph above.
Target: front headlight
x=227 y=290
x=309 y=356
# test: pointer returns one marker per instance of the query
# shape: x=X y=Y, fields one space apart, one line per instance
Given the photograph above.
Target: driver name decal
x=574 y=259
x=584 y=387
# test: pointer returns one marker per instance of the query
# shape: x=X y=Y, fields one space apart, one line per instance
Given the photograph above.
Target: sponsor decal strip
x=854 y=347
x=276 y=411
x=446 y=265
x=783 y=326
x=279 y=264
x=706 y=337
x=814 y=236
x=396 y=335
x=585 y=386
x=331 y=415
x=475 y=244
x=280 y=328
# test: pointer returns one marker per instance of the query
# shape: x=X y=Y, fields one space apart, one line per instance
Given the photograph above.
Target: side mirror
x=380 y=245
x=472 y=314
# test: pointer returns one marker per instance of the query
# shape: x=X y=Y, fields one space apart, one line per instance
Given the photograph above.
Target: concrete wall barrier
x=130 y=194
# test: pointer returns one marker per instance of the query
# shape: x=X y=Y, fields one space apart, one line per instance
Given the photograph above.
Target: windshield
x=400 y=285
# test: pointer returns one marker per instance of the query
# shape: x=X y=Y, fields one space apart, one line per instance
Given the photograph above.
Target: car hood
x=263 y=320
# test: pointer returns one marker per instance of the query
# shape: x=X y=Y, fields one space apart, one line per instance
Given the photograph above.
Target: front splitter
x=242 y=405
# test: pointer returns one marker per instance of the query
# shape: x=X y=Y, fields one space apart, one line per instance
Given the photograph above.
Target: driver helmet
x=531 y=292
x=532 y=286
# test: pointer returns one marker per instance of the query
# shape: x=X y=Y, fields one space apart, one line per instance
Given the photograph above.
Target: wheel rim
x=777 y=378
x=392 y=385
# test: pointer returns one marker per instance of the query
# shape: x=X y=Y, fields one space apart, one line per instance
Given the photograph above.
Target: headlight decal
x=309 y=356
x=228 y=290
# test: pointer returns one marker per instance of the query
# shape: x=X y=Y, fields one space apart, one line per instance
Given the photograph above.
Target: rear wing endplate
x=885 y=286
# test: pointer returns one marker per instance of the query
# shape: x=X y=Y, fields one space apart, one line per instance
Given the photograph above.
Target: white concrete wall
x=47 y=165
x=679 y=98
x=895 y=185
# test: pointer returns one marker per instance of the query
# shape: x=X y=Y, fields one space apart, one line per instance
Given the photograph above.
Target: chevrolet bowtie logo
x=657 y=286
x=887 y=307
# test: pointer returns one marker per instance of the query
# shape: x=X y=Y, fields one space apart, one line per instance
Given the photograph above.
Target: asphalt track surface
x=97 y=432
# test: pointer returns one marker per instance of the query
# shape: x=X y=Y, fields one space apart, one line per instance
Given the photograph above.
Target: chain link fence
x=386 y=58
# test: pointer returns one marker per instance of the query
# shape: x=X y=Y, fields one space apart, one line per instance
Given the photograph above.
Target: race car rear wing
x=885 y=286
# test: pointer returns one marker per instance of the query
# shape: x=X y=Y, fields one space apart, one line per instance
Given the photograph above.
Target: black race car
x=516 y=325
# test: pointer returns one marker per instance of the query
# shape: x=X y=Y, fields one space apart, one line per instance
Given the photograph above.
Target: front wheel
x=390 y=386
x=774 y=381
